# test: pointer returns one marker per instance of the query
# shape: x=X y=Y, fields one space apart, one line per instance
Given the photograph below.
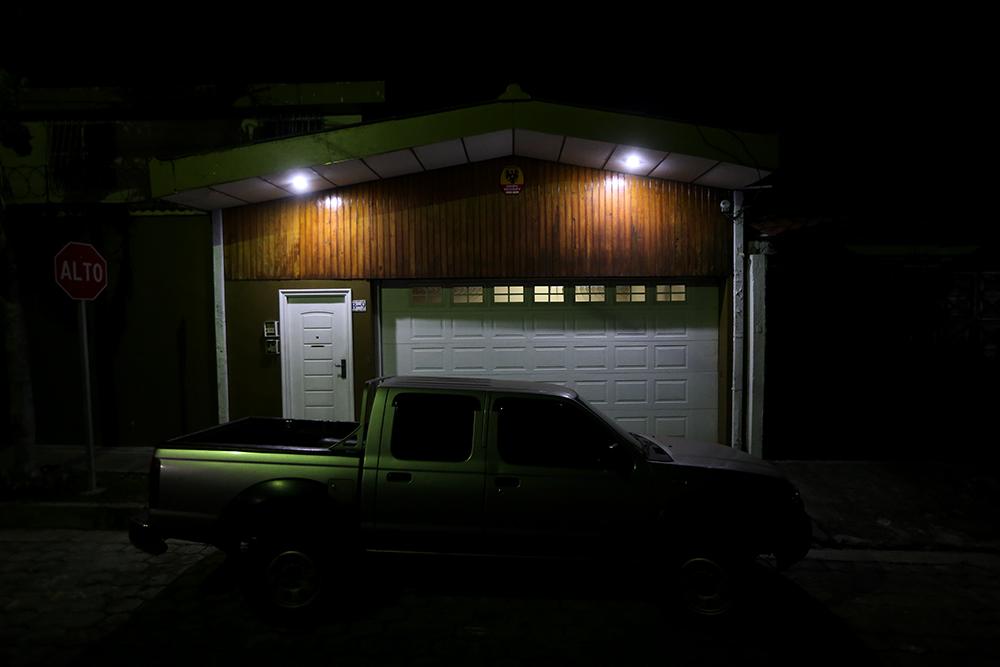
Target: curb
x=906 y=557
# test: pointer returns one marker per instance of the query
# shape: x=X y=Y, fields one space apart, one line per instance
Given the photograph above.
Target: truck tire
x=706 y=583
x=293 y=575
x=286 y=577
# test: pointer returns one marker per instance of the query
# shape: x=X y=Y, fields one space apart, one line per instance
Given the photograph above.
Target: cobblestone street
x=88 y=597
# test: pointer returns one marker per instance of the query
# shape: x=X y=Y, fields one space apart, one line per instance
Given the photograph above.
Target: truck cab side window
x=433 y=427
x=549 y=433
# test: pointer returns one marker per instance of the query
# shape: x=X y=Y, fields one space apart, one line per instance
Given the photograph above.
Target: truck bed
x=274 y=434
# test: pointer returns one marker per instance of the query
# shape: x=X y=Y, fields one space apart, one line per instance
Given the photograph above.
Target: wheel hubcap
x=293 y=579
x=705 y=586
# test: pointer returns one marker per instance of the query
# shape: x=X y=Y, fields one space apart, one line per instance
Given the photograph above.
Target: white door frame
x=286 y=369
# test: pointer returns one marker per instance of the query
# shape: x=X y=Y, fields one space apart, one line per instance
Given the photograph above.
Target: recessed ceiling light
x=633 y=161
x=300 y=183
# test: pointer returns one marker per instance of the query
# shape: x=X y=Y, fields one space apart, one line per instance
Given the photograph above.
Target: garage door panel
x=628 y=357
x=427 y=359
x=693 y=390
x=468 y=328
x=631 y=392
x=671 y=391
x=670 y=357
x=510 y=358
x=594 y=392
x=703 y=426
x=551 y=358
x=548 y=324
x=631 y=325
x=685 y=323
x=667 y=325
x=511 y=327
x=590 y=357
x=634 y=424
x=469 y=358
x=693 y=356
x=651 y=366
x=588 y=325
x=425 y=328
x=703 y=355
x=670 y=426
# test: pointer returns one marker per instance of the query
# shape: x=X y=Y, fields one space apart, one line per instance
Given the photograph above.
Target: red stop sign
x=81 y=271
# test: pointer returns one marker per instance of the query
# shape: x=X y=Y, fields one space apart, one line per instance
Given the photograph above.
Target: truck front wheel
x=706 y=584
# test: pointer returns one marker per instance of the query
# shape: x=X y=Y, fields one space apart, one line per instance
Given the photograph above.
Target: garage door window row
x=506 y=294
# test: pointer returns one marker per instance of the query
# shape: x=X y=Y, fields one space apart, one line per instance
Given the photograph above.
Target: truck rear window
x=433 y=427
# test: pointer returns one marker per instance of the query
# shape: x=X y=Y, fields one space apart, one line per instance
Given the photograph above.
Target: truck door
x=557 y=481
x=430 y=477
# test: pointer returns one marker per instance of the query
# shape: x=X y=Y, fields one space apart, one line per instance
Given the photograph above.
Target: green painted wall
x=254 y=375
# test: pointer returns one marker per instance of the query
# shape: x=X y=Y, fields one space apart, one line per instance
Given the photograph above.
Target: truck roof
x=476 y=384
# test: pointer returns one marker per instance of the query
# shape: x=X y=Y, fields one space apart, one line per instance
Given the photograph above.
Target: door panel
x=551 y=486
x=429 y=493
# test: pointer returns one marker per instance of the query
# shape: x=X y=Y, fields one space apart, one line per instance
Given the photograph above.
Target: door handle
x=507 y=482
x=398 y=477
x=343 y=368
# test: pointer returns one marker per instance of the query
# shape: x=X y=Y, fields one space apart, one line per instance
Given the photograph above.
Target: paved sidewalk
x=60 y=497
x=910 y=505
x=63 y=590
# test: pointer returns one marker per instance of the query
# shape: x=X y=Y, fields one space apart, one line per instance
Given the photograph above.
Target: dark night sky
x=885 y=133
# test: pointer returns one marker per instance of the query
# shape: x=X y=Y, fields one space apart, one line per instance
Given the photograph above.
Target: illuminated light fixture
x=332 y=202
x=300 y=183
x=614 y=181
x=633 y=161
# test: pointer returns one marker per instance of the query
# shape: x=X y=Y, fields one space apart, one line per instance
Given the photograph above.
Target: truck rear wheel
x=293 y=577
x=286 y=577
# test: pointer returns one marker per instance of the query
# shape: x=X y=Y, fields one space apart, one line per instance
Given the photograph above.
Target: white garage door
x=645 y=355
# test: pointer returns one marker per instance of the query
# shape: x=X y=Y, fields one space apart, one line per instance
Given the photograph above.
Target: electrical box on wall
x=272 y=339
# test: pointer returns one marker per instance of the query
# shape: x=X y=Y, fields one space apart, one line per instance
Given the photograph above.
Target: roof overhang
x=659 y=148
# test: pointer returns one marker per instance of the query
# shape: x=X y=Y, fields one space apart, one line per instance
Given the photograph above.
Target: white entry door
x=316 y=352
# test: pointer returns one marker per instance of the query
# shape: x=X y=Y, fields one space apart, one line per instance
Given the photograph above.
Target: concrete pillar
x=756 y=343
x=219 y=295
x=736 y=394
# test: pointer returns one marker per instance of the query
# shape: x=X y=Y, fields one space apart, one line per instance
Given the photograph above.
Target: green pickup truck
x=468 y=466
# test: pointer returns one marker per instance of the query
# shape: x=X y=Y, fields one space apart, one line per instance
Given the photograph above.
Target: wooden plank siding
x=457 y=223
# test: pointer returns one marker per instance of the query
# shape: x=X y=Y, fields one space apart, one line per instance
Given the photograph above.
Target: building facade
x=516 y=239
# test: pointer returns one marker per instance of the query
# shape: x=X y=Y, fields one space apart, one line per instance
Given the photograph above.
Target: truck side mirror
x=617 y=459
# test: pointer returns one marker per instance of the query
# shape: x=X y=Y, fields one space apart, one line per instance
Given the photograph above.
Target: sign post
x=82 y=273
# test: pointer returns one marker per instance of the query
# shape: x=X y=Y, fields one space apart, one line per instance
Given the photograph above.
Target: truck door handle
x=507 y=482
x=343 y=368
x=398 y=477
